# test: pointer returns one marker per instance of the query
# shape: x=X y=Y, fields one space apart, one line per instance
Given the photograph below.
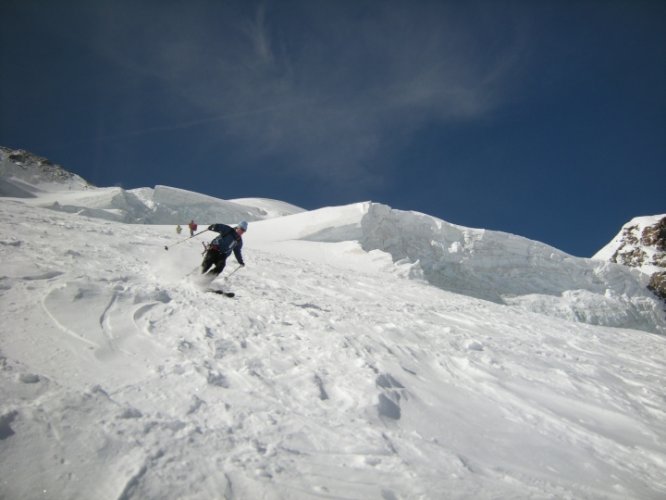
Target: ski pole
x=232 y=272
x=188 y=238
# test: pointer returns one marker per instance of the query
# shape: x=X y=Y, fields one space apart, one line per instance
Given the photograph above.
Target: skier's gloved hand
x=210 y=228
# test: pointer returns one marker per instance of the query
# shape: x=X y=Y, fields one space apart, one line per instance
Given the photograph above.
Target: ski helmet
x=243 y=225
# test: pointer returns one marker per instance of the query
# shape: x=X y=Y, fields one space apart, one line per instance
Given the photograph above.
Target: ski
x=221 y=292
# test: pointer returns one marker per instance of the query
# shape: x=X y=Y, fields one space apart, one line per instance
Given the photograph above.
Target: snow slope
x=337 y=371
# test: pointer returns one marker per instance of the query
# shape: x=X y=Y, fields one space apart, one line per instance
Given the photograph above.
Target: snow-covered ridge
x=490 y=265
x=24 y=175
x=160 y=205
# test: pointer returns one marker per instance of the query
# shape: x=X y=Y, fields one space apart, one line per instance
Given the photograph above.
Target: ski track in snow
x=122 y=379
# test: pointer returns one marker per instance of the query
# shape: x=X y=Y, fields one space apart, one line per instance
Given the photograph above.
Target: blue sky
x=545 y=119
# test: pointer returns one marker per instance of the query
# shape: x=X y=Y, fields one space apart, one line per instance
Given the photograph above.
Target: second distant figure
x=193 y=227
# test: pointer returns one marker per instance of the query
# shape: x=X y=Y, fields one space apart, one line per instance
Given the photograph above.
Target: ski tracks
x=116 y=329
x=302 y=360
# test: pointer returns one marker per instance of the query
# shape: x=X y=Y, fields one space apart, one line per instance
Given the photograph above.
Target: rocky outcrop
x=637 y=240
x=658 y=285
x=642 y=244
x=21 y=171
x=655 y=236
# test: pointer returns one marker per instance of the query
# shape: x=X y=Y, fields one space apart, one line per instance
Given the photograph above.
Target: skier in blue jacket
x=229 y=240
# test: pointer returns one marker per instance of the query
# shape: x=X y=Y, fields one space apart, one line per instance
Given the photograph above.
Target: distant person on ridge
x=229 y=240
x=178 y=229
x=193 y=227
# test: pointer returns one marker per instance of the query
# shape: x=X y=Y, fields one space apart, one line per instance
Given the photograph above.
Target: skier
x=193 y=227
x=229 y=240
x=178 y=229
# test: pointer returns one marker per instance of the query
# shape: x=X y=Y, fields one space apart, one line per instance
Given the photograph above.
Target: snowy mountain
x=641 y=243
x=369 y=353
x=24 y=175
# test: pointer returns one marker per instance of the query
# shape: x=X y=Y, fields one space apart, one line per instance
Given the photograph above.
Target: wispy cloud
x=330 y=88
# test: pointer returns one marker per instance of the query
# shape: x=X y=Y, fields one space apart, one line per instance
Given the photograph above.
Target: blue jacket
x=228 y=241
